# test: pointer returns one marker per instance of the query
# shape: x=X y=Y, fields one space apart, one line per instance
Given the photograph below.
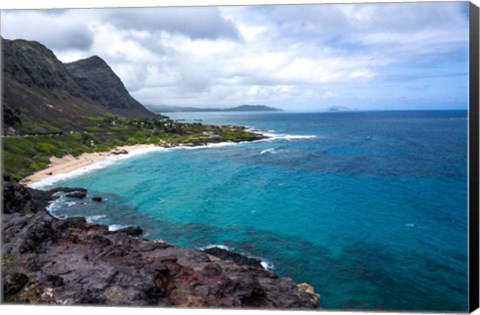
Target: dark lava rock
x=35 y=235
x=77 y=194
x=20 y=199
x=72 y=262
x=118 y=152
x=235 y=257
x=132 y=231
x=68 y=190
x=14 y=282
x=73 y=222
x=212 y=270
x=97 y=199
x=16 y=198
x=40 y=198
x=55 y=280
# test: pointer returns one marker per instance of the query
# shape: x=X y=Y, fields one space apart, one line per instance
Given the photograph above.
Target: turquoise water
x=368 y=207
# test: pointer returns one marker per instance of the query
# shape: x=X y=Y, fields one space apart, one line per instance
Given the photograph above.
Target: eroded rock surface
x=68 y=261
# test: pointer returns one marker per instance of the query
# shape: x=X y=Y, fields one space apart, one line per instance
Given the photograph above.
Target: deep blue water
x=368 y=207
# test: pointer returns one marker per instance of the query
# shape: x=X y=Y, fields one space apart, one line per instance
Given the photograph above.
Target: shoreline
x=68 y=163
x=60 y=168
x=91 y=259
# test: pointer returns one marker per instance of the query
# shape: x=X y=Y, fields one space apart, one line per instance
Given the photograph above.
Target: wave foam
x=275 y=136
x=93 y=218
x=299 y=137
x=99 y=164
x=267 y=265
x=270 y=150
x=207 y=146
x=115 y=227
x=224 y=247
x=54 y=205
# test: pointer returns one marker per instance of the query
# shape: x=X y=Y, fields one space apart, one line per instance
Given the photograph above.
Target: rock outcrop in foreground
x=53 y=261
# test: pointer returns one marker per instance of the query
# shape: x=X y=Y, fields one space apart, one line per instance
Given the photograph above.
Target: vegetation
x=26 y=154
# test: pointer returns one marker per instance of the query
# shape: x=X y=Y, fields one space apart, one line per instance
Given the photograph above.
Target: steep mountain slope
x=34 y=65
x=40 y=95
x=100 y=83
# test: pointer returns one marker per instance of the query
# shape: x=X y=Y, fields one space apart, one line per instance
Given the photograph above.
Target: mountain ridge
x=94 y=71
x=42 y=95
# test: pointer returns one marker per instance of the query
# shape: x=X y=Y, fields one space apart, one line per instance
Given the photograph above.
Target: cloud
x=196 y=23
x=289 y=56
x=401 y=30
x=53 y=28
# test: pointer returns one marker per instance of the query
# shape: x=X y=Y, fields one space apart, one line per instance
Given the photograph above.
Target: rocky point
x=68 y=261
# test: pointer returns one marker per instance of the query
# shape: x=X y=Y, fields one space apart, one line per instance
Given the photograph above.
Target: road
x=34 y=135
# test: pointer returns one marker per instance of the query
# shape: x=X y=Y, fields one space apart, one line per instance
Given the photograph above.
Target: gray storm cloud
x=53 y=28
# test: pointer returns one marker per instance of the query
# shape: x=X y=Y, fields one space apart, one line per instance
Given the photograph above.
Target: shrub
x=46 y=148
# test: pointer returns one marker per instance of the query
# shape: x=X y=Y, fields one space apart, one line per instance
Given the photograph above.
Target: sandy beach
x=70 y=163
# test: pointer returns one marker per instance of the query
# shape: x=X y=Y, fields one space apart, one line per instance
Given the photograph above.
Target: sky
x=293 y=57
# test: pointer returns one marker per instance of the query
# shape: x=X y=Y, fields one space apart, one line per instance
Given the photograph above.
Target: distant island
x=241 y=108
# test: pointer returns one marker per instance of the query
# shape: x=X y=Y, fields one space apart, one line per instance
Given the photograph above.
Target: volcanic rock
x=77 y=194
x=97 y=199
x=69 y=261
x=132 y=231
x=235 y=257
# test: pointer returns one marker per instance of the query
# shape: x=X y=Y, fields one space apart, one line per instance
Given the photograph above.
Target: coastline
x=70 y=166
x=96 y=266
x=69 y=163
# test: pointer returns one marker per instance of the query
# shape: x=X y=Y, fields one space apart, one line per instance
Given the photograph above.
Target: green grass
x=26 y=155
x=23 y=156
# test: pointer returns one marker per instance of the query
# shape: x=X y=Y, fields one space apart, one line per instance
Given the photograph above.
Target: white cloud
x=275 y=55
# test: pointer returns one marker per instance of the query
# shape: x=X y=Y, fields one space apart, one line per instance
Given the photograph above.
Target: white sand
x=69 y=163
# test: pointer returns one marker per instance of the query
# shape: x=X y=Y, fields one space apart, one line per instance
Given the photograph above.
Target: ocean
x=368 y=207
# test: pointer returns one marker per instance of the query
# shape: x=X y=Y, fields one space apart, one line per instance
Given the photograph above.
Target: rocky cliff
x=43 y=95
x=100 y=83
x=53 y=261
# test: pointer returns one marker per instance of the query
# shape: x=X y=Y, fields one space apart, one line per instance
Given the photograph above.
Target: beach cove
x=158 y=273
x=66 y=164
